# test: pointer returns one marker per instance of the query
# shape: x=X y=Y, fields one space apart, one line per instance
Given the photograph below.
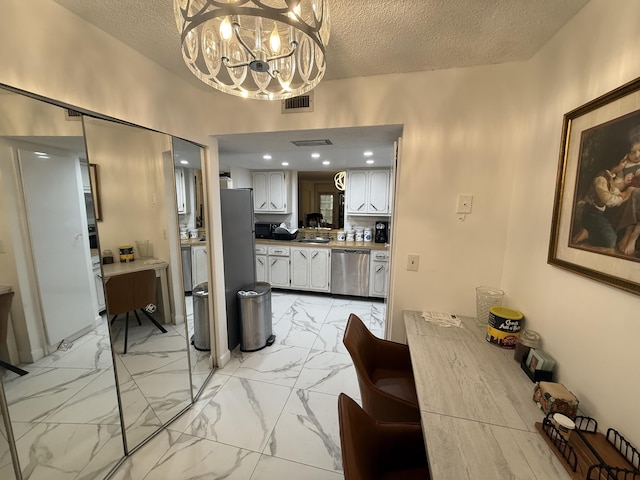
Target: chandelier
x=261 y=49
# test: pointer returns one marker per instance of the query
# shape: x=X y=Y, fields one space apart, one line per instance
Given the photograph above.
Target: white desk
x=160 y=266
x=476 y=406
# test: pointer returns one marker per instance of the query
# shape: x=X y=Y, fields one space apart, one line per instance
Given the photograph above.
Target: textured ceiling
x=368 y=37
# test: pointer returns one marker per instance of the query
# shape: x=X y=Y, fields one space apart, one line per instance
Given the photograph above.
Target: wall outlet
x=463 y=205
x=413 y=262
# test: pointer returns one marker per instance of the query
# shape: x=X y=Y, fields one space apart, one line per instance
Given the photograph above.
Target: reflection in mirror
x=191 y=212
x=139 y=227
x=64 y=411
x=8 y=463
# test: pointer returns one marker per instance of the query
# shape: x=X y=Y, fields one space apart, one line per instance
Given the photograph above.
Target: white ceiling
x=368 y=37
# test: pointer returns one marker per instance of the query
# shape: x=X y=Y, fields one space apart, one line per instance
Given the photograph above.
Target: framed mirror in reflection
x=191 y=212
x=145 y=310
x=67 y=402
x=84 y=403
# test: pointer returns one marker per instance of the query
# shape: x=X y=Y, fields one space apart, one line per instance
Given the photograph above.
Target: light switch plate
x=463 y=204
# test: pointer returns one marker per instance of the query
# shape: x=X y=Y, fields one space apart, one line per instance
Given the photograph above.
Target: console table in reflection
x=150 y=263
x=476 y=405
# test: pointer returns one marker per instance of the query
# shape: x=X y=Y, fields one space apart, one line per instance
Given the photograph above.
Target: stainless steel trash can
x=201 y=339
x=255 y=317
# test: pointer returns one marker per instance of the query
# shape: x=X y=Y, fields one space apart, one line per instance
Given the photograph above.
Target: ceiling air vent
x=311 y=143
x=302 y=103
x=72 y=114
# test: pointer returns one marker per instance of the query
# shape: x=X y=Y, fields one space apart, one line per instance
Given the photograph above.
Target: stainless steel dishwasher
x=350 y=272
x=186 y=268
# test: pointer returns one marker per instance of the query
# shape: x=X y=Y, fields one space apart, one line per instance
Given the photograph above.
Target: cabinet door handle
x=360 y=207
x=373 y=206
x=273 y=263
x=314 y=255
x=260 y=261
x=263 y=204
x=303 y=255
x=273 y=205
x=379 y=269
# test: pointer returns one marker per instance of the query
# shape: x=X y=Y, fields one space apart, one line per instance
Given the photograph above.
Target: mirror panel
x=137 y=198
x=194 y=247
x=64 y=410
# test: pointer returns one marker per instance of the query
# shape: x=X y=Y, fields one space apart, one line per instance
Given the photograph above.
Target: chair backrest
x=373 y=449
x=361 y=345
x=130 y=291
x=359 y=441
x=5 y=308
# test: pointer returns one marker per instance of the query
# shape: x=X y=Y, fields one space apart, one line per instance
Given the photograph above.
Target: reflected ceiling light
x=184 y=162
x=260 y=49
x=284 y=164
x=315 y=155
x=370 y=161
x=326 y=162
x=368 y=153
x=267 y=157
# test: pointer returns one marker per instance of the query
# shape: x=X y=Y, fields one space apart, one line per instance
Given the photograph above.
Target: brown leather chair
x=379 y=450
x=130 y=292
x=5 y=308
x=385 y=375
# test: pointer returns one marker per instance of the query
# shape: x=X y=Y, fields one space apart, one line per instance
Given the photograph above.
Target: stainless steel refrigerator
x=238 y=243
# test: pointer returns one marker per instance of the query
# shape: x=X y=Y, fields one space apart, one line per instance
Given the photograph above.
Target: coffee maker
x=381 y=232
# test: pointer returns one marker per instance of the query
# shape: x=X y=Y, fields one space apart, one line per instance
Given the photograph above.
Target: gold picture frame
x=595 y=204
x=95 y=190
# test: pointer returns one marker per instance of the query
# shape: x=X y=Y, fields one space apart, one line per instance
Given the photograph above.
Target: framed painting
x=95 y=190
x=596 y=212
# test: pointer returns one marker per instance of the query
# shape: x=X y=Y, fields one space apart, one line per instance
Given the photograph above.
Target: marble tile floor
x=71 y=394
x=265 y=415
x=269 y=414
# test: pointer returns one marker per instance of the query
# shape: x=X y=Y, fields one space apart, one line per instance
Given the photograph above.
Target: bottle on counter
x=107 y=257
x=527 y=340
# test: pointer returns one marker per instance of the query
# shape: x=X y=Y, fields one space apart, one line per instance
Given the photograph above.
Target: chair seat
x=418 y=473
x=398 y=383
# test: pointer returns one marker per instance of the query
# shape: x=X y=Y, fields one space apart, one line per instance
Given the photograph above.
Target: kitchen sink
x=313 y=240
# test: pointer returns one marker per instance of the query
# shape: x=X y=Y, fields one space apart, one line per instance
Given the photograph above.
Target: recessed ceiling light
x=284 y=164
x=368 y=153
x=315 y=155
x=267 y=157
x=184 y=162
x=326 y=162
x=370 y=161
x=40 y=153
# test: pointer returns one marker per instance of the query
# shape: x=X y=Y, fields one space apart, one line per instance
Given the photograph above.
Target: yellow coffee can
x=126 y=253
x=503 y=328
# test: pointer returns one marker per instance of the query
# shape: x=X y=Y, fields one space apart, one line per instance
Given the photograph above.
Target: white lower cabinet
x=310 y=269
x=378 y=274
x=97 y=277
x=261 y=264
x=278 y=267
x=198 y=265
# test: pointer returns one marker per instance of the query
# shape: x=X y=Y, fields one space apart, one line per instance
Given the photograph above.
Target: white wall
x=591 y=329
x=490 y=131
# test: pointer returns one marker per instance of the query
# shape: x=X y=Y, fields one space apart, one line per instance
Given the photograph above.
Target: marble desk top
x=476 y=405
x=148 y=263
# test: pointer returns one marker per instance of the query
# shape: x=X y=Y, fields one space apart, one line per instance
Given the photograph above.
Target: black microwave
x=265 y=230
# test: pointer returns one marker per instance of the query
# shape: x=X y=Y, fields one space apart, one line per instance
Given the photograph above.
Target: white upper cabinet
x=368 y=192
x=181 y=194
x=270 y=192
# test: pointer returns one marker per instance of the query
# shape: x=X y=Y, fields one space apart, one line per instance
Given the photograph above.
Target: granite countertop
x=193 y=242
x=331 y=244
